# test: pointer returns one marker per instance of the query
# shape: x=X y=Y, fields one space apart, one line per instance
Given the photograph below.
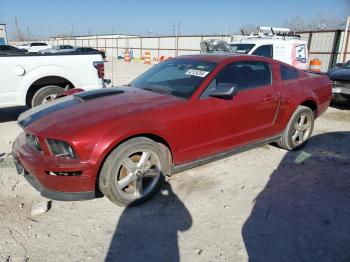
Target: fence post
x=158 y=48
x=346 y=40
x=335 y=48
x=141 y=47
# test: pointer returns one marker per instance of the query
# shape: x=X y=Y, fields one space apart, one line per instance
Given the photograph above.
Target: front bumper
x=38 y=169
x=341 y=88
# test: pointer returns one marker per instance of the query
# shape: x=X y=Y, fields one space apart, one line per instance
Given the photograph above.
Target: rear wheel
x=133 y=172
x=298 y=130
x=46 y=94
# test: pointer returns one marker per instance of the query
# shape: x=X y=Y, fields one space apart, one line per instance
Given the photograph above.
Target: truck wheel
x=133 y=172
x=46 y=94
x=298 y=130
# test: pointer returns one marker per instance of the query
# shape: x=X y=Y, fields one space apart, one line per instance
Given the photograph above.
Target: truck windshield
x=178 y=78
x=242 y=48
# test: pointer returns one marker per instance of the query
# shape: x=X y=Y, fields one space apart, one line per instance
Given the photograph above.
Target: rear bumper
x=38 y=169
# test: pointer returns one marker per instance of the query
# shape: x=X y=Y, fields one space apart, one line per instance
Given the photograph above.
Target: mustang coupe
x=182 y=113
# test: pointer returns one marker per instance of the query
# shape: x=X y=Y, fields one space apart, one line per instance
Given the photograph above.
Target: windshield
x=242 y=48
x=178 y=78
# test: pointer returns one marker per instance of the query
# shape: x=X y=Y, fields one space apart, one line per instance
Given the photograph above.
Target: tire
x=130 y=183
x=46 y=94
x=297 y=133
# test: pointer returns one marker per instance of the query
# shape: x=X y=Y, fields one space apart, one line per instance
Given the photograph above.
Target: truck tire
x=133 y=172
x=298 y=130
x=46 y=94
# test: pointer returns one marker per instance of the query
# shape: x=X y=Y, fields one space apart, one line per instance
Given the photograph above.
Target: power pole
x=18 y=32
x=28 y=32
x=178 y=28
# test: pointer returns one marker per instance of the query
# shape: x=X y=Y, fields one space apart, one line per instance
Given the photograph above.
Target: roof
x=216 y=58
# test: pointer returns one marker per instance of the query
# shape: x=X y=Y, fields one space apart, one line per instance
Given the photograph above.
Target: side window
x=245 y=75
x=264 y=50
x=288 y=73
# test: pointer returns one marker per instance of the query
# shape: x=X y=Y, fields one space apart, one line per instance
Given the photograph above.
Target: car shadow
x=303 y=213
x=149 y=232
x=11 y=113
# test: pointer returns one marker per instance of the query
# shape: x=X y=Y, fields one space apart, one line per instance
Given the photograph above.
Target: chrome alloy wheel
x=301 y=129
x=49 y=98
x=138 y=174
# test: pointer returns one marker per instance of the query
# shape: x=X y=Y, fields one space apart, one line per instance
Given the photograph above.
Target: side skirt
x=206 y=160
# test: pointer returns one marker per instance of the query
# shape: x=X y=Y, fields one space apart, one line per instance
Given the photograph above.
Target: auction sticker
x=195 y=72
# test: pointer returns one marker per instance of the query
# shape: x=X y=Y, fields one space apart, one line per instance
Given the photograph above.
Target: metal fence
x=324 y=45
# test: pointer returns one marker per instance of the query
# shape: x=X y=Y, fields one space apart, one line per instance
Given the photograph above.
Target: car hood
x=91 y=108
x=339 y=74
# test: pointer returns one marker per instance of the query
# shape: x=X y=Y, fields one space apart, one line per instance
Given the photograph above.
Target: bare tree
x=249 y=29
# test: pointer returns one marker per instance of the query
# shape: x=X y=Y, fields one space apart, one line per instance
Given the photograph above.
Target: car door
x=246 y=117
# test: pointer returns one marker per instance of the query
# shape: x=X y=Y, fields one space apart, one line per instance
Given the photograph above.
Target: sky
x=82 y=17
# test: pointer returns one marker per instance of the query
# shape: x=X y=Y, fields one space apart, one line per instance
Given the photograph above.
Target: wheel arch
x=45 y=81
x=312 y=104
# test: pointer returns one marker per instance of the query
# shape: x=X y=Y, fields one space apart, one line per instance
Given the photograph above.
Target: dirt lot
x=266 y=204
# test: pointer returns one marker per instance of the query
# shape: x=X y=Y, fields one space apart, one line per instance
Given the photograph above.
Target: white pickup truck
x=36 y=79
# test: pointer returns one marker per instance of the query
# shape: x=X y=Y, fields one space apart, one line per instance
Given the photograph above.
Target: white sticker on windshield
x=195 y=72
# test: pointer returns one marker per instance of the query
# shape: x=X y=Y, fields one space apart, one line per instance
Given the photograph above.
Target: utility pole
x=28 y=32
x=178 y=28
x=18 y=32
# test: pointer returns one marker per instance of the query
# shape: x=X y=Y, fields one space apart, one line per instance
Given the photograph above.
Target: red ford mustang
x=181 y=113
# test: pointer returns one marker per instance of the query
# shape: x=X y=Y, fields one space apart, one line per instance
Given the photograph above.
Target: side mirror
x=224 y=90
x=338 y=64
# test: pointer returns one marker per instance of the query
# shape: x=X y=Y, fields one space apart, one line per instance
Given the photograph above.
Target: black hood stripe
x=26 y=121
x=39 y=112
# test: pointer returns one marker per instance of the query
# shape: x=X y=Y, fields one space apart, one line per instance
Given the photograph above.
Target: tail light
x=100 y=69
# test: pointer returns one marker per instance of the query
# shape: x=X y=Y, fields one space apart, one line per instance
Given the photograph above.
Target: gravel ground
x=265 y=204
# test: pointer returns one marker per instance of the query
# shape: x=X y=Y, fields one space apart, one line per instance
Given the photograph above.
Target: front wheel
x=133 y=172
x=298 y=130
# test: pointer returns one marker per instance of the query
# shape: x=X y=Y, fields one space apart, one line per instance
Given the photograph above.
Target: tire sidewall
x=112 y=165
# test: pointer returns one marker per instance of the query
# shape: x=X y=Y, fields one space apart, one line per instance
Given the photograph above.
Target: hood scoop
x=88 y=95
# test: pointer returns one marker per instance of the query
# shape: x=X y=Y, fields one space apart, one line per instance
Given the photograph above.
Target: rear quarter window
x=288 y=73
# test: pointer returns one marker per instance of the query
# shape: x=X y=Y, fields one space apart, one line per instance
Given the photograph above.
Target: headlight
x=33 y=141
x=61 y=148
